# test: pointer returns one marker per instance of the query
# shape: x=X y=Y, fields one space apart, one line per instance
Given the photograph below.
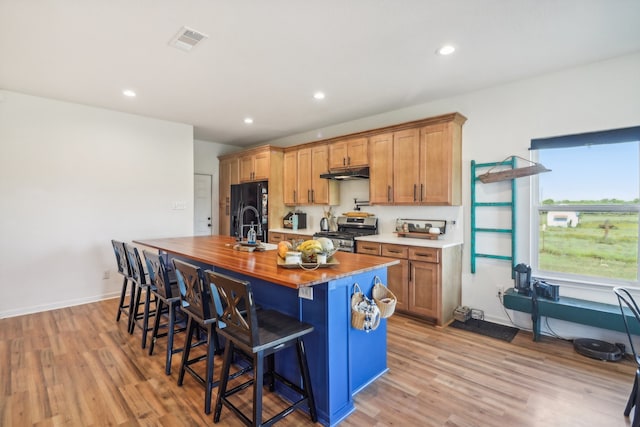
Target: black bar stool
x=124 y=271
x=196 y=304
x=167 y=296
x=141 y=286
x=259 y=334
x=628 y=306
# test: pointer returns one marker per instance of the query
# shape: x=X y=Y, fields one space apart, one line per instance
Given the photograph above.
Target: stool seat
x=275 y=329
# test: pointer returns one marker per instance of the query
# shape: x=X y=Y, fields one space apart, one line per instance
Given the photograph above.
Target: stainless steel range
x=348 y=229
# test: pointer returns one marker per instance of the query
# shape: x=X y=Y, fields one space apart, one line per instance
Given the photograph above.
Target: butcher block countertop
x=393 y=238
x=218 y=251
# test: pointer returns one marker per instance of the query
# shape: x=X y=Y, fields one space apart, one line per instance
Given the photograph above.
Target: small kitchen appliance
x=288 y=220
x=324 y=224
x=348 y=229
x=522 y=279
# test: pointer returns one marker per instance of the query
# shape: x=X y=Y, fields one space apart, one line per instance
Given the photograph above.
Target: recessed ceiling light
x=318 y=95
x=129 y=93
x=446 y=50
x=248 y=120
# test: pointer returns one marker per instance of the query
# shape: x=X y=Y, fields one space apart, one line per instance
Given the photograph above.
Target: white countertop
x=303 y=231
x=393 y=238
x=443 y=242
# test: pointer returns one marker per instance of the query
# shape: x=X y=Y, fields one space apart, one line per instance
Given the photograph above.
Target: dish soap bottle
x=251 y=235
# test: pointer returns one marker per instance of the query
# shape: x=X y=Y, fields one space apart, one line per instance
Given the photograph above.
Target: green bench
x=600 y=315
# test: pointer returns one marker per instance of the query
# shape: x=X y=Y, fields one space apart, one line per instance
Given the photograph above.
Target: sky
x=595 y=172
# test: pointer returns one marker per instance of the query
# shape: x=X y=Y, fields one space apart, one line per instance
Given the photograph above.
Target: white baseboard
x=56 y=305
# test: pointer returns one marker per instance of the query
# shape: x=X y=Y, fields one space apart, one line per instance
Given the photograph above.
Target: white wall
x=501 y=122
x=71 y=179
x=205 y=161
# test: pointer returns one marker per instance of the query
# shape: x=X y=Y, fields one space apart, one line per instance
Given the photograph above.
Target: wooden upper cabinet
x=406 y=166
x=441 y=160
x=381 y=168
x=229 y=175
x=324 y=191
x=302 y=182
x=290 y=177
x=304 y=176
x=418 y=165
x=254 y=166
x=349 y=153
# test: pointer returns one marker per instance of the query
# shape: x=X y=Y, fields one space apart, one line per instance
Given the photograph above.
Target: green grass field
x=590 y=248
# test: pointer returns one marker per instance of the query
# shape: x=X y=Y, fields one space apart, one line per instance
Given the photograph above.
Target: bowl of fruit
x=310 y=249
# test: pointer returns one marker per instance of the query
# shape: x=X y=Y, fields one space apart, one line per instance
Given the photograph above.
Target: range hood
x=348 y=174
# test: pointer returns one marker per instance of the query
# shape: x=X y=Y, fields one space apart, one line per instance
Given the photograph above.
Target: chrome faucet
x=241 y=214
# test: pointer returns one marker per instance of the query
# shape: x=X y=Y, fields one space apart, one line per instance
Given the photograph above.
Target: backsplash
x=387 y=215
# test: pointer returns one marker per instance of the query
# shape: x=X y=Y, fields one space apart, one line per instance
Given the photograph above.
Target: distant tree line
x=591 y=202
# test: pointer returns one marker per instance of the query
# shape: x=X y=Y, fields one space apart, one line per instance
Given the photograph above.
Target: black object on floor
x=482 y=327
x=597 y=349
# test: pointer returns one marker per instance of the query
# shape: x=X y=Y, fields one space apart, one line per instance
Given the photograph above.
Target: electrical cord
x=549 y=330
x=509 y=317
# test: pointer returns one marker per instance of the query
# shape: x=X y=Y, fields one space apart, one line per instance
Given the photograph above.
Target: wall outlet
x=106 y=275
x=306 y=292
x=500 y=291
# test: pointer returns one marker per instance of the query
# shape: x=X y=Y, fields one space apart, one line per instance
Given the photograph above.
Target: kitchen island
x=342 y=360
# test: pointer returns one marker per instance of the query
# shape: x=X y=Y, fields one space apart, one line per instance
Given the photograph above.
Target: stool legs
x=171 y=330
x=121 y=306
x=634 y=400
x=258 y=382
x=306 y=380
x=212 y=348
x=134 y=316
x=224 y=379
x=191 y=327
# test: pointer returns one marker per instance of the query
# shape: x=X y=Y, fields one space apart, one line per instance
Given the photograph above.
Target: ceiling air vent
x=187 y=38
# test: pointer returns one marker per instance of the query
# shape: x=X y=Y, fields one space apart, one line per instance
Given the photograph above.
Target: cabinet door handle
x=415 y=187
x=309 y=195
x=394 y=252
x=348 y=160
x=344 y=161
x=388 y=193
x=421 y=191
x=313 y=195
x=295 y=196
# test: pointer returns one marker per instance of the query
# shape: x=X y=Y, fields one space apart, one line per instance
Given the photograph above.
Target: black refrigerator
x=250 y=200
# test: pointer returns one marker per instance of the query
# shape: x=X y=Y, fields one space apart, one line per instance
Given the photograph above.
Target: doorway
x=202 y=205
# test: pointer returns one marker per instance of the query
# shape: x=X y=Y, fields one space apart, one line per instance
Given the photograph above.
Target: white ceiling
x=265 y=59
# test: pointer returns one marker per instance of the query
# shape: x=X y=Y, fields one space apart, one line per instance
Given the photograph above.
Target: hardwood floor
x=77 y=367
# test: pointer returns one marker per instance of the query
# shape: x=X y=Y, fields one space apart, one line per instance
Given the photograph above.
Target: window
x=587 y=208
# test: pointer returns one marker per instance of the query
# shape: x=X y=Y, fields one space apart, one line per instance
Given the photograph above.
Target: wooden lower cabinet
x=397 y=279
x=276 y=236
x=427 y=282
x=424 y=289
